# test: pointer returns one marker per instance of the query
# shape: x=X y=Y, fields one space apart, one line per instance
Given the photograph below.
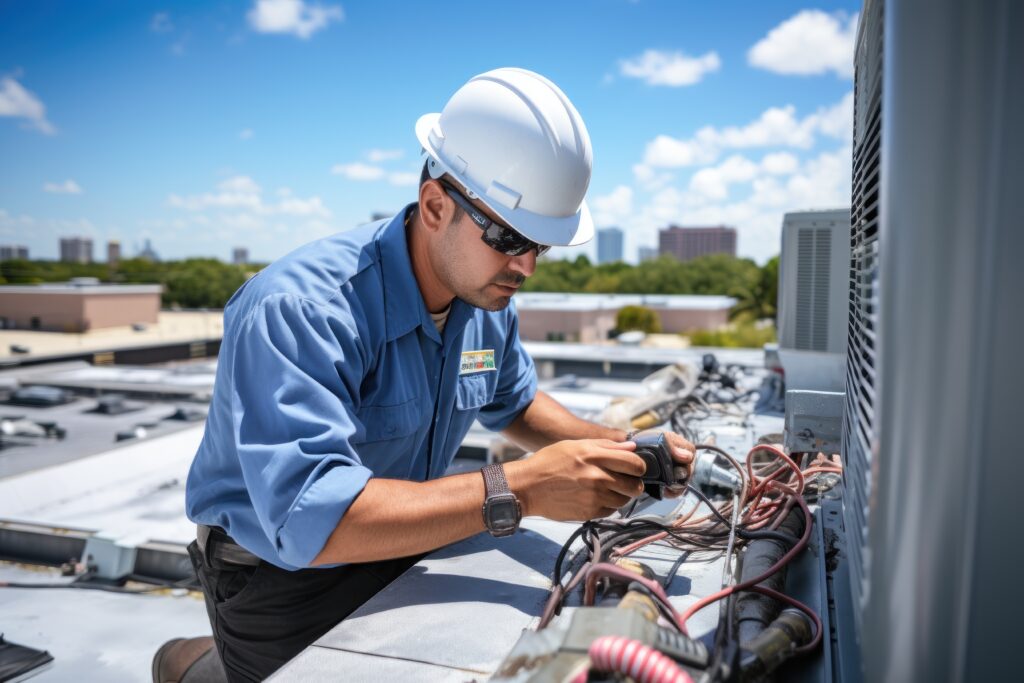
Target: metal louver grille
x=814 y=254
x=860 y=436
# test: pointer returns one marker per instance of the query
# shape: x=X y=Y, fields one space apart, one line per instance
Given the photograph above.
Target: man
x=352 y=368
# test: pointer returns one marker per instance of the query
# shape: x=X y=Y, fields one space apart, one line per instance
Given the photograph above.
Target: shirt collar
x=404 y=307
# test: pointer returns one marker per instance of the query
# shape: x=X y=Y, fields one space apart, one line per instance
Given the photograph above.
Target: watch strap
x=494 y=480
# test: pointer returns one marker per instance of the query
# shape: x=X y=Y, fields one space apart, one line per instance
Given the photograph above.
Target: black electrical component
x=656 y=453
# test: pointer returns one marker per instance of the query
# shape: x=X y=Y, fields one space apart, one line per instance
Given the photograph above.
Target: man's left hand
x=683 y=452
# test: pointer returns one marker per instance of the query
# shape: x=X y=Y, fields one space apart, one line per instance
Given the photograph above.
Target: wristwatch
x=502 y=511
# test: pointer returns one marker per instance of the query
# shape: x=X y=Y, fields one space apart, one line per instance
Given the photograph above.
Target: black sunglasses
x=499 y=237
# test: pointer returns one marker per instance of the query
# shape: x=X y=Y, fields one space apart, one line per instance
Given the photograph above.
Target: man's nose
x=524 y=263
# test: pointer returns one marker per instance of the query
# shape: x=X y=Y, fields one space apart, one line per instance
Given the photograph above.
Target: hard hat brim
x=557 y=231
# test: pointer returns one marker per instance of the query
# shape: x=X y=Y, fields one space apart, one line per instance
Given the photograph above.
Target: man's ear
x=436 y=208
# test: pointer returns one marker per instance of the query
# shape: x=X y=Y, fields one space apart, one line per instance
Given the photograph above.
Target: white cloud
x=293 y=17
x=673 y=69
x=67 y=187
x=665 y=151
x=240 y=183
x=358 y=171
x=293 y=206
x=613 y=207
x=777 y=184
x=775 y=127
x=649 y=179
x=376 y=156
x=246 y=134
x=403 y=179
x=713 y=182
x=779 y=163
x=244 y=194
x=18 y=102
x=836 y=121
x=809 y=42
x=161 y=23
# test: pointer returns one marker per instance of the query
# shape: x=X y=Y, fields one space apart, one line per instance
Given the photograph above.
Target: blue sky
x=208 y=125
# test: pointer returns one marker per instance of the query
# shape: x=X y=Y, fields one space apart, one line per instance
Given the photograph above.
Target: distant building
x=380 y=215
x=647 y=253
x=609 y=245
x=590 y=318
x=77 y=306
x=13 y=251
x=240 y=256
x=76 y=249
x=113 y=253
x=148 y=253
x=689 y=243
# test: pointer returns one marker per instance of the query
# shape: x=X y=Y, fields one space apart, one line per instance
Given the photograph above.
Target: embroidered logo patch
x=477 y=361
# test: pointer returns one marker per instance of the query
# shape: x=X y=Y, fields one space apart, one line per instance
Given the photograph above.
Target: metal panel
x=859 y=435
x=943 y=535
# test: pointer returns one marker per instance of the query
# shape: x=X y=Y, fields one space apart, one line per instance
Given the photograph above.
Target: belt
x=214 y=543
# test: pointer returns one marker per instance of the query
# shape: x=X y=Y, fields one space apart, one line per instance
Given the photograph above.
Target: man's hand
x=577 y=480
x=683 y=452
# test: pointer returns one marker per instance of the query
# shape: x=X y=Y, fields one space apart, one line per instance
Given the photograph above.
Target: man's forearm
x=394 y=518
x=546 y=421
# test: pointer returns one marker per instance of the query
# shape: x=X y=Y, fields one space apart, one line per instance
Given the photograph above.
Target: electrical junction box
x=109 y=557
x=814 y=421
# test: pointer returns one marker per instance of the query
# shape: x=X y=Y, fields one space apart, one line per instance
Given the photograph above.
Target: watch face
x=502 y=513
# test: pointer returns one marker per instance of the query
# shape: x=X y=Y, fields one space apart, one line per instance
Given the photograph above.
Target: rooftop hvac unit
x=934 y=368
x=859 y=433
x=813 y=296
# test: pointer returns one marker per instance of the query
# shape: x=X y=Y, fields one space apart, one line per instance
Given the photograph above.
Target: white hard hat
x=514 y=141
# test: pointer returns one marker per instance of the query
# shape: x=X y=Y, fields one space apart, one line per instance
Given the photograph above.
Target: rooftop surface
x=452 y=617
x=171 y=326
x=82 y=289
x=591 y=302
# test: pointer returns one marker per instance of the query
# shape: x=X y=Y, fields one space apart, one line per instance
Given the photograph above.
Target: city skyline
x=143 y=120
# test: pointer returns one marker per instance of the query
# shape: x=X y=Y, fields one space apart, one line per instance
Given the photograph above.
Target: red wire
x=632 y=658
x=746 y=585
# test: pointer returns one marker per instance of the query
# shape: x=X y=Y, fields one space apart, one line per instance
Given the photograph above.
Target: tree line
x=190 y=283
x=754 y=287
x=209 y=283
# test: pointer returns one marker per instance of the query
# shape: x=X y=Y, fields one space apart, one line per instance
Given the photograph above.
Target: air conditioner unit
x=813 y=298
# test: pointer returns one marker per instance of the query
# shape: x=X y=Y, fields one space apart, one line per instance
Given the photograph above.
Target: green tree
x=637 y=318
x=758 y=300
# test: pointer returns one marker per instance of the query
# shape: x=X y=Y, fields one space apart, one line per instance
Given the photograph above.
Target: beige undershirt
x=441 y=318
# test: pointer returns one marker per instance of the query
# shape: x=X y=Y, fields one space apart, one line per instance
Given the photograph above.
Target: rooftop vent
x=40 y=396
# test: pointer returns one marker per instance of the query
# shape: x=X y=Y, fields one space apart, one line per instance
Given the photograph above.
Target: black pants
x=263 y=616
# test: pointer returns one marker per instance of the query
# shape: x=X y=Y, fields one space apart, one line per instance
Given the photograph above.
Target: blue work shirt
x=331 y=372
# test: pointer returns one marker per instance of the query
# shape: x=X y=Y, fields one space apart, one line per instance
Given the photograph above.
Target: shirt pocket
x=476 y=390
x=383 y=423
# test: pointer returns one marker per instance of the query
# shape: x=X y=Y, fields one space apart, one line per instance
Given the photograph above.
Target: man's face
x=476 y=273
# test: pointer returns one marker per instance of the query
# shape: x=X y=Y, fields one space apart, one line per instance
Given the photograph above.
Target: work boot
x=176 y=657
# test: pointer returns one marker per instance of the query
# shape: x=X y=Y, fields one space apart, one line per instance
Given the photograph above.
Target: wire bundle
x=773 y=486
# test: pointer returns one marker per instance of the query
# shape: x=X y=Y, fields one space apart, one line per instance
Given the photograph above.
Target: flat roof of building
x=171 y=327
x=560 y=301
x=80 y=289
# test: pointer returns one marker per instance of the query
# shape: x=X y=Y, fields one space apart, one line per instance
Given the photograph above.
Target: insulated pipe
x=754 y=611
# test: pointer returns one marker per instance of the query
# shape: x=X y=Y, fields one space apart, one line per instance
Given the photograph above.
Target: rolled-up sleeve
x=297 y=367
x=516 y=383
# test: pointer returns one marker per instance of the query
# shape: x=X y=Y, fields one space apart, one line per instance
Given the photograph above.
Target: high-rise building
x=13 y=251
x=113 y=253
x=76 y=249
x=689 y=243
x=647 y=253
x=148 y=252
x=609 y=245
x=240 y=256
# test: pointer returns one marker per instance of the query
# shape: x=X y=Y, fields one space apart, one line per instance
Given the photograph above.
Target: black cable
x=740 y=531
x=675 y=568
